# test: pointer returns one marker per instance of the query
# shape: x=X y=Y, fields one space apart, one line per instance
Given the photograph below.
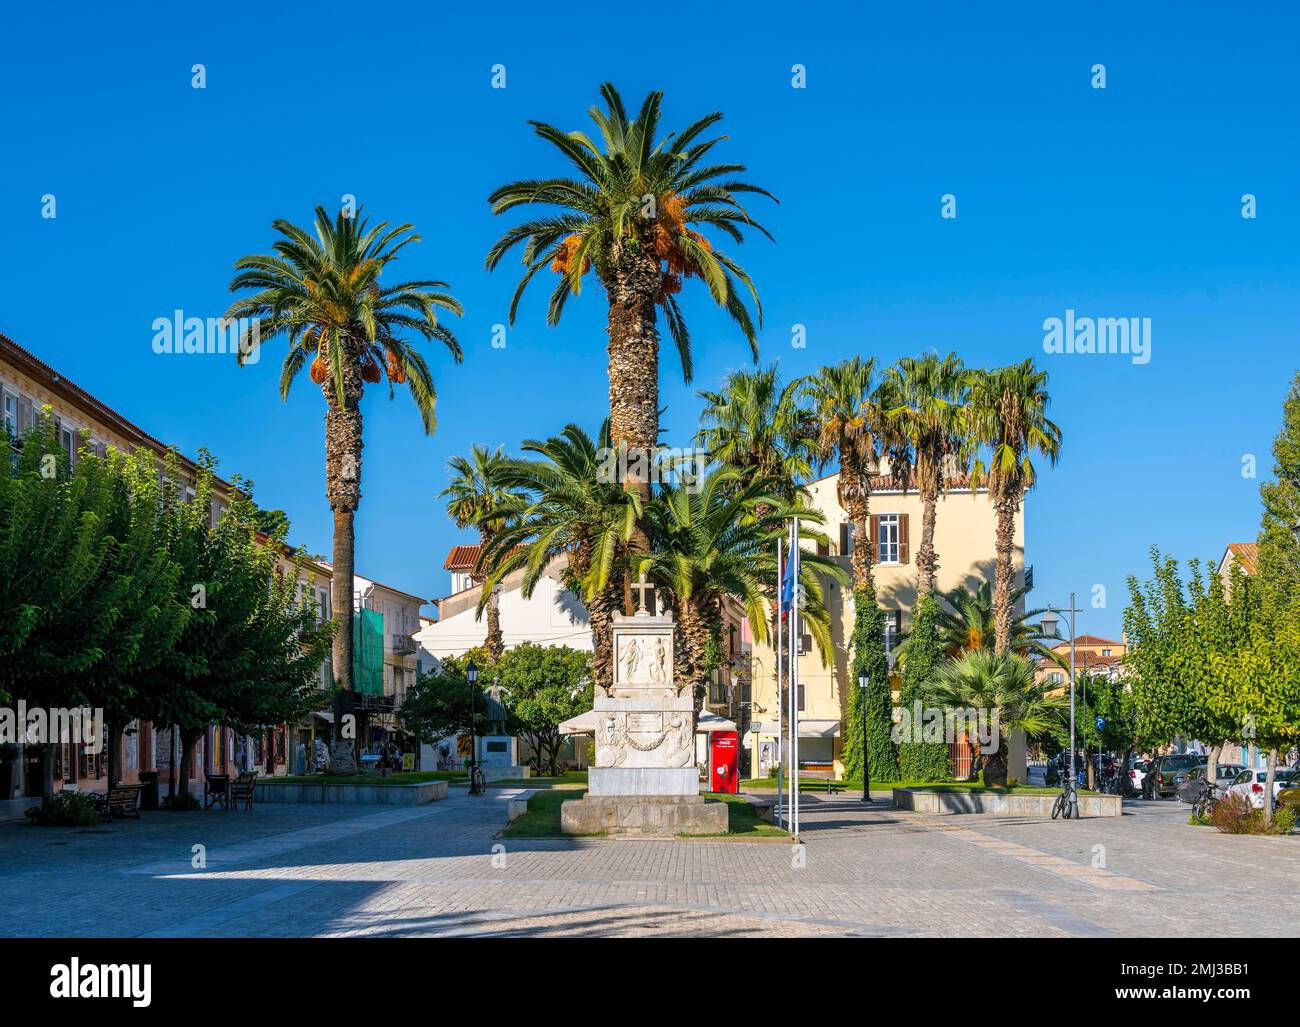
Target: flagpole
x=780 y=678
x=794 y=676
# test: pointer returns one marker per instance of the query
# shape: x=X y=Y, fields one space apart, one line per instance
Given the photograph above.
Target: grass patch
x=571 y=779
x=743 y=820
x=408 y=777
x=543 y=817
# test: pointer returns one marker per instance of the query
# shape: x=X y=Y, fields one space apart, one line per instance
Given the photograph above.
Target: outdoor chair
x=216 y=789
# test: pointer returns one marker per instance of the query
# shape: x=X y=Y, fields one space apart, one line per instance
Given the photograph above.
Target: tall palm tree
x=476 y=498
x=847 y=421
x=1002 y=683
x=709 y=542
x=755 y=423
x=569 y=507
x=628 y=215
x=1007 y=412
x=323 y=294
x=924 y=402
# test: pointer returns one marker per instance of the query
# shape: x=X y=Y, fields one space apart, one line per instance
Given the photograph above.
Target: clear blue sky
x=1117 y=202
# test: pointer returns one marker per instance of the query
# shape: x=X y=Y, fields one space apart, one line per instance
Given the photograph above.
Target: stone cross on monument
x=641 y=588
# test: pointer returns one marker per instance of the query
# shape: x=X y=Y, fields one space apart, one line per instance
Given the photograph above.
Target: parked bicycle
x=1207 y=797
x=1067 y=803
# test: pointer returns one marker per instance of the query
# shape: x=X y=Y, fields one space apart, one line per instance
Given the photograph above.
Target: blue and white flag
x=789 y=577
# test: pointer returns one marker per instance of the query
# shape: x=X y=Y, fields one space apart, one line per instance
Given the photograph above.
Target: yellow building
x=963 y=541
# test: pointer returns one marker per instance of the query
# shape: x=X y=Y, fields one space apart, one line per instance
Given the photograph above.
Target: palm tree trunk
x=857 y=502
x=495 y=642
x=634 y=369
x=1005 y=507
x=927 y=562
x=343 y=490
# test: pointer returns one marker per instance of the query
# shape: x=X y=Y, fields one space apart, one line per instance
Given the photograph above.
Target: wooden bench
x=120 y=800
x=242 y=789
x=216 y=789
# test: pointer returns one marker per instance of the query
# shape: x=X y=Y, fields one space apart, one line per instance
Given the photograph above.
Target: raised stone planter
x=324 y=791
x=1002 y=804
x=518 y=804
x=641 y=816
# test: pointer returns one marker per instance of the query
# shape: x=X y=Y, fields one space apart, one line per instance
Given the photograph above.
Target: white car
x=1249 y=784
x=1137 y=773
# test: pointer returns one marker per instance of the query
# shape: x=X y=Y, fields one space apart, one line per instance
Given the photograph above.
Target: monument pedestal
x=645 y=781
x=659 y=816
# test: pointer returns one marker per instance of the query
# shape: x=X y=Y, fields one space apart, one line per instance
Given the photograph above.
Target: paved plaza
x=303 y=871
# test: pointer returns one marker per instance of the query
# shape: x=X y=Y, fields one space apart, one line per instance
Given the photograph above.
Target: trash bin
x=149 y=796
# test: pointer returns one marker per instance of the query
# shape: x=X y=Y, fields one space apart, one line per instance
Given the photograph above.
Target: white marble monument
x=644 y=780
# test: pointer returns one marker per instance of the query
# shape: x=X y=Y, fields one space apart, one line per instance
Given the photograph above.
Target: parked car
x=1249 y=784
x=1159 y=782
x=1137 y=773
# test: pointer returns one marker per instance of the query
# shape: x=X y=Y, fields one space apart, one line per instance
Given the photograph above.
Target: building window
x=801 y=697
x=893 y=627
x=1105 y=652
x=888 y=541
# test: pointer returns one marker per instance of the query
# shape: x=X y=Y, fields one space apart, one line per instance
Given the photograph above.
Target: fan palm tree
x=476 y=498
x=1007 y=412
x=755 y=423
x=1000 y=683
x=965 y=624
x=628 y=215
x=568 y=506
x=323 y=293
x=924 y=401
x=709 y=542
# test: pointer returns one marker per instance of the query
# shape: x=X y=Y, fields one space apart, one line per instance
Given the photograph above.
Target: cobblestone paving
x=440 y=870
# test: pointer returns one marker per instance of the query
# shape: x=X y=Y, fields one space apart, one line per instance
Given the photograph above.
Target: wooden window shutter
x=844 y=538
x=823 y=549
x=874 y=535
x=902 y=539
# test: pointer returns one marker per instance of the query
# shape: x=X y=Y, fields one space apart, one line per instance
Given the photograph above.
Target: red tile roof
x=462 y=558
x=1247 y=554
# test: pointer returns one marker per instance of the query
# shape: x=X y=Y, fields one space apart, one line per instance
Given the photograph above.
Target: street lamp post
x=863 y=680
x=471 y=676
x=1049 y=626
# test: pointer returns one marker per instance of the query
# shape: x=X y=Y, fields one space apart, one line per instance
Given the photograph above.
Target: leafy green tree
x=1180 y=636
x=922 y=761
x=543 y=687
x=148 y=611
x=323 y=294
x=999 y=683
x=251 y=649
x=1279 y=534
x=58 y=595
x=439 y=703
x=1007 y=412
x=272 y=522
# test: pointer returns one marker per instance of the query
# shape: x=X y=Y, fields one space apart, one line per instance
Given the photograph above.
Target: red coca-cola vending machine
x=724 y=757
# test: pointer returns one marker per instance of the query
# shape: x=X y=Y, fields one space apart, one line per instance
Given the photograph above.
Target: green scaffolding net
x=368 y=654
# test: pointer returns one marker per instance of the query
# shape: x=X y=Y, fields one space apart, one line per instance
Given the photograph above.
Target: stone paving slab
x=442 y=870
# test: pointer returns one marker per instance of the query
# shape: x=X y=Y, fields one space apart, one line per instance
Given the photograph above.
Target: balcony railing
x=405 y=645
